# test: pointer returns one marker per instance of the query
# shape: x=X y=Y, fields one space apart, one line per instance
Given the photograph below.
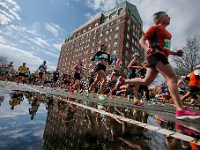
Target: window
x=96 y=24
x=127 y=54
x=112 y=15
x=114 y=52
x=133 y=33
x=106 y=18
x=116 y=28
x=115 y=44
x=116 y=36
x=118 y=20
x=128 y=28
x=127 y=45
x=140 y=25
x=132 y=49
x=129 y=21
x=133 y=41
x=120 y=11
x=128 y=36
x=133 y=26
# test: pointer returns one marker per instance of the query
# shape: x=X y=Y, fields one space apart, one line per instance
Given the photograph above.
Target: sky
x=34 y=30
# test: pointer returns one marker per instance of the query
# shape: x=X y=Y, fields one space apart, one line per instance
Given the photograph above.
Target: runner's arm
x=177 y=53
x=95 y=57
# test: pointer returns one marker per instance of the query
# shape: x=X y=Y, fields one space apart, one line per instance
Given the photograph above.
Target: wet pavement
x=33 y=118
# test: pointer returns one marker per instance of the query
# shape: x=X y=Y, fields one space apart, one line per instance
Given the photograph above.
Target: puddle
x=33 y=121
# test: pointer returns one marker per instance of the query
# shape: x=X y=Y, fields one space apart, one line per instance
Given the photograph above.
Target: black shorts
x=22 y=75
x=77 y=76
x=55 y=79
x=158 y=57
x=100 y=66
x=67 y=82
x=131 y=76
x=194 y=96
x=194 y=89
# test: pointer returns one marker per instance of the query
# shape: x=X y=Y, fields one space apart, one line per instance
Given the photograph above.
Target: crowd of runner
x=134 y=85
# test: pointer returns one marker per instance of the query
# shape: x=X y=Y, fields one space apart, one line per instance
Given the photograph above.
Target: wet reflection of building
x=71 y=127
x=1 y=99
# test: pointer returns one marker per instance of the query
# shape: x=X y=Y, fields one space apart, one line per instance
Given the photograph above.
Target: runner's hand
x=179 y=52
x=149 y=51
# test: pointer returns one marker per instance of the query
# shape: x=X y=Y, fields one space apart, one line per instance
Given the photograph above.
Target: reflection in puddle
x=28 y=118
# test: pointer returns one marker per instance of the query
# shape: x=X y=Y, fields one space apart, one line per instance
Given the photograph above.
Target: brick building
x=119 y=28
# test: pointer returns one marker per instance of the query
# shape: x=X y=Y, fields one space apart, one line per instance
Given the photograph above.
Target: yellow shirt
x=22 y=69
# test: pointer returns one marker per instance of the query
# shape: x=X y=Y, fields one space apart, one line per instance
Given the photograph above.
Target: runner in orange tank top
x=157 y=51
x=194 y=86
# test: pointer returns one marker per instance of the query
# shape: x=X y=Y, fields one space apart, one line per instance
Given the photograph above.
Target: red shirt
x=163 y=36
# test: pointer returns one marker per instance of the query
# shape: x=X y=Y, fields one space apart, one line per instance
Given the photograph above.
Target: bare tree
x=191 y=58
x=3 y=60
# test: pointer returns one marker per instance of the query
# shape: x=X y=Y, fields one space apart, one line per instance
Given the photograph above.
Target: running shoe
x=186 y=113
x=120 y=82
x=102 y=97
x=186 y=130
x=71 y=90
x=138 y=103
x=152 y=102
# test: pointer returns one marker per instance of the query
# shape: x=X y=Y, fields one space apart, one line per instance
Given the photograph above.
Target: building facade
x=120 y=29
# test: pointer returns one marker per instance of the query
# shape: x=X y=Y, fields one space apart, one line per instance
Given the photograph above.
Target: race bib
x=167 y=44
